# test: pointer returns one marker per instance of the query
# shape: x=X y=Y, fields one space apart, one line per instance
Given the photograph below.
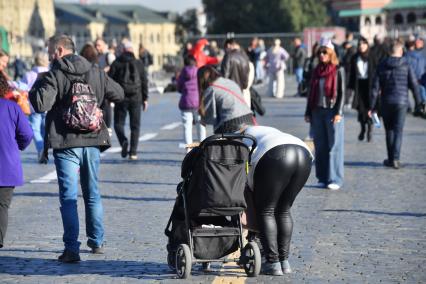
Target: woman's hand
x=307 y=118
x=337 y=118
x=370 y=113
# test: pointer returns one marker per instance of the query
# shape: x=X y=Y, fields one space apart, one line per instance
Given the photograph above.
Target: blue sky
x=158 y=5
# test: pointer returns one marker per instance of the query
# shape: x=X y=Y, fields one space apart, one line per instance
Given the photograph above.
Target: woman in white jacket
x=280 y=167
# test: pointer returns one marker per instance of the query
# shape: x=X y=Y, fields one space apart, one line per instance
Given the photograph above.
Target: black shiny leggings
x=279 y=176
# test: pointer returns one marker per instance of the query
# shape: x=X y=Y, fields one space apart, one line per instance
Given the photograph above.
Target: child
x=189 y=101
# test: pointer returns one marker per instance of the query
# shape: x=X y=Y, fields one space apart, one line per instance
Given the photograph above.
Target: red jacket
x=199 y=55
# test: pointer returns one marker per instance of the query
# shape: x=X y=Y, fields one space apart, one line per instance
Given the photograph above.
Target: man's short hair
x=395 y=45
x=62 y=40
x=230 y=41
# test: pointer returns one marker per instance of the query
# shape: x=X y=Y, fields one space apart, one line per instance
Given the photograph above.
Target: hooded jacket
x=393 y=77
x=187 y=85
x=50 y=93
x=200 y=57
x=118 y=68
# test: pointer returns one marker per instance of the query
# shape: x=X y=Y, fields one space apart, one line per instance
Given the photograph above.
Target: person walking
x=394 y=77
x=76 y=151
x=130 y=73
x=237 y=67
x=276 y=66
x=360 y=81
x=280 y=167
x=15 y=136
x=37 y=120
x=105 y=59
x=189 y=102
x=324 y=110
x=222 y=104
x=299 y=58
x=417 y=62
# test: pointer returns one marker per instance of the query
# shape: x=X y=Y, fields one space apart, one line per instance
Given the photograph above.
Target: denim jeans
x=329 y=146
x=190 y=117
x=37 y=121
x=299 y=74
x=393 y=119
x=70 y=163
x=422 y=91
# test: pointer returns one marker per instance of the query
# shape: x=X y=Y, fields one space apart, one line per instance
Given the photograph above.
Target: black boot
x=362 y=133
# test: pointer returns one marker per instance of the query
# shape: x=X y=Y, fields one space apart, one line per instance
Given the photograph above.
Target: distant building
x=27 y=23
x=114 y=22
x=406 y=16
x=385 y=17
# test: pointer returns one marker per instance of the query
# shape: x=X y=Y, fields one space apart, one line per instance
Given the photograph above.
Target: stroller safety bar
x=232 y=136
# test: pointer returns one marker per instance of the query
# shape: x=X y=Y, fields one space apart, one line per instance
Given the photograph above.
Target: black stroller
x=205 y=223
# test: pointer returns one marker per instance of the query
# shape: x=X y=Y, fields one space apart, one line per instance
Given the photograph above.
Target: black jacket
x=299 y=57
x=393 y=78
x=235 y=66
x=49 y=93
x=118 y=67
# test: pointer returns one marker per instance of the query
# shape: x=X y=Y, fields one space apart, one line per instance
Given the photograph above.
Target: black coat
x=361 y=101
x=49 y=93
x=393 y=78
x=235 y=66
x=117 y=70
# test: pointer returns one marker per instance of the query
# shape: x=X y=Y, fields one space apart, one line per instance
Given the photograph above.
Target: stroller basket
x=215 y=242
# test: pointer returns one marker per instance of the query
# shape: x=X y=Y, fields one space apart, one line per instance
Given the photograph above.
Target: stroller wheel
x=251 y=259
x=183 y=261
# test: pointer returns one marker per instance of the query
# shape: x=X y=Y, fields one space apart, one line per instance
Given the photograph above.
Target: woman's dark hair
x=4 y=86
x=189 y=60
x=206 y=75
x=90 y=53
x=363 y=40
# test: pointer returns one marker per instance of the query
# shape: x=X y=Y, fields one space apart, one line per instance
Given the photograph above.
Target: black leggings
x=5 y=199
x=279 y=176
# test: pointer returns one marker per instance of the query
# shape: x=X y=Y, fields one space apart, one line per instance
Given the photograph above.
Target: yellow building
x=114 y=22
x=28 y=23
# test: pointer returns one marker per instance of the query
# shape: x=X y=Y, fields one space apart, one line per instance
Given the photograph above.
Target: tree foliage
x=254 y=16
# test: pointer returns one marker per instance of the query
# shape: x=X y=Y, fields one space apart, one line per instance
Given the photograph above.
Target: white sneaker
x=333 y=186
x=133 y=157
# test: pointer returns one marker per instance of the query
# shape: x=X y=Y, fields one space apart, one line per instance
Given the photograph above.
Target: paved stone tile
x=371 y=231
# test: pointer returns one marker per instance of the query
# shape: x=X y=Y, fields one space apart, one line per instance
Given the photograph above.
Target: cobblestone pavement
x=373 y=230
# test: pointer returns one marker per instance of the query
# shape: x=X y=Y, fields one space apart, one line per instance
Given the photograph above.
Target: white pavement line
x=147 y=136
x=171 y=126
x=46 y=179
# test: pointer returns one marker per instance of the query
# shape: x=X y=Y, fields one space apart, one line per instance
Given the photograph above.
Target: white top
x=362 y=67
x=267 y=138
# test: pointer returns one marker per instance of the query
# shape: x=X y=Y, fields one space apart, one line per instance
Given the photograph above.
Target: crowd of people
x=71 y=100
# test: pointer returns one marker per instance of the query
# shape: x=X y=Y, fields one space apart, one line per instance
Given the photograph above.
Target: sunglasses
x=323 y=52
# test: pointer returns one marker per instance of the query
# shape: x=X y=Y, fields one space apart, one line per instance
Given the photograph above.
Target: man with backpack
x=130 y=73
x=72 y=93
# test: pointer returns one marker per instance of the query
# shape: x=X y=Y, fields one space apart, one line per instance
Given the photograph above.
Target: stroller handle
x=232 y=136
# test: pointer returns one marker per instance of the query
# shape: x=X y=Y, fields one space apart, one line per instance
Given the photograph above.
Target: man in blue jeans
x=394 y=77
x=299 y=57
x=75 y=153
